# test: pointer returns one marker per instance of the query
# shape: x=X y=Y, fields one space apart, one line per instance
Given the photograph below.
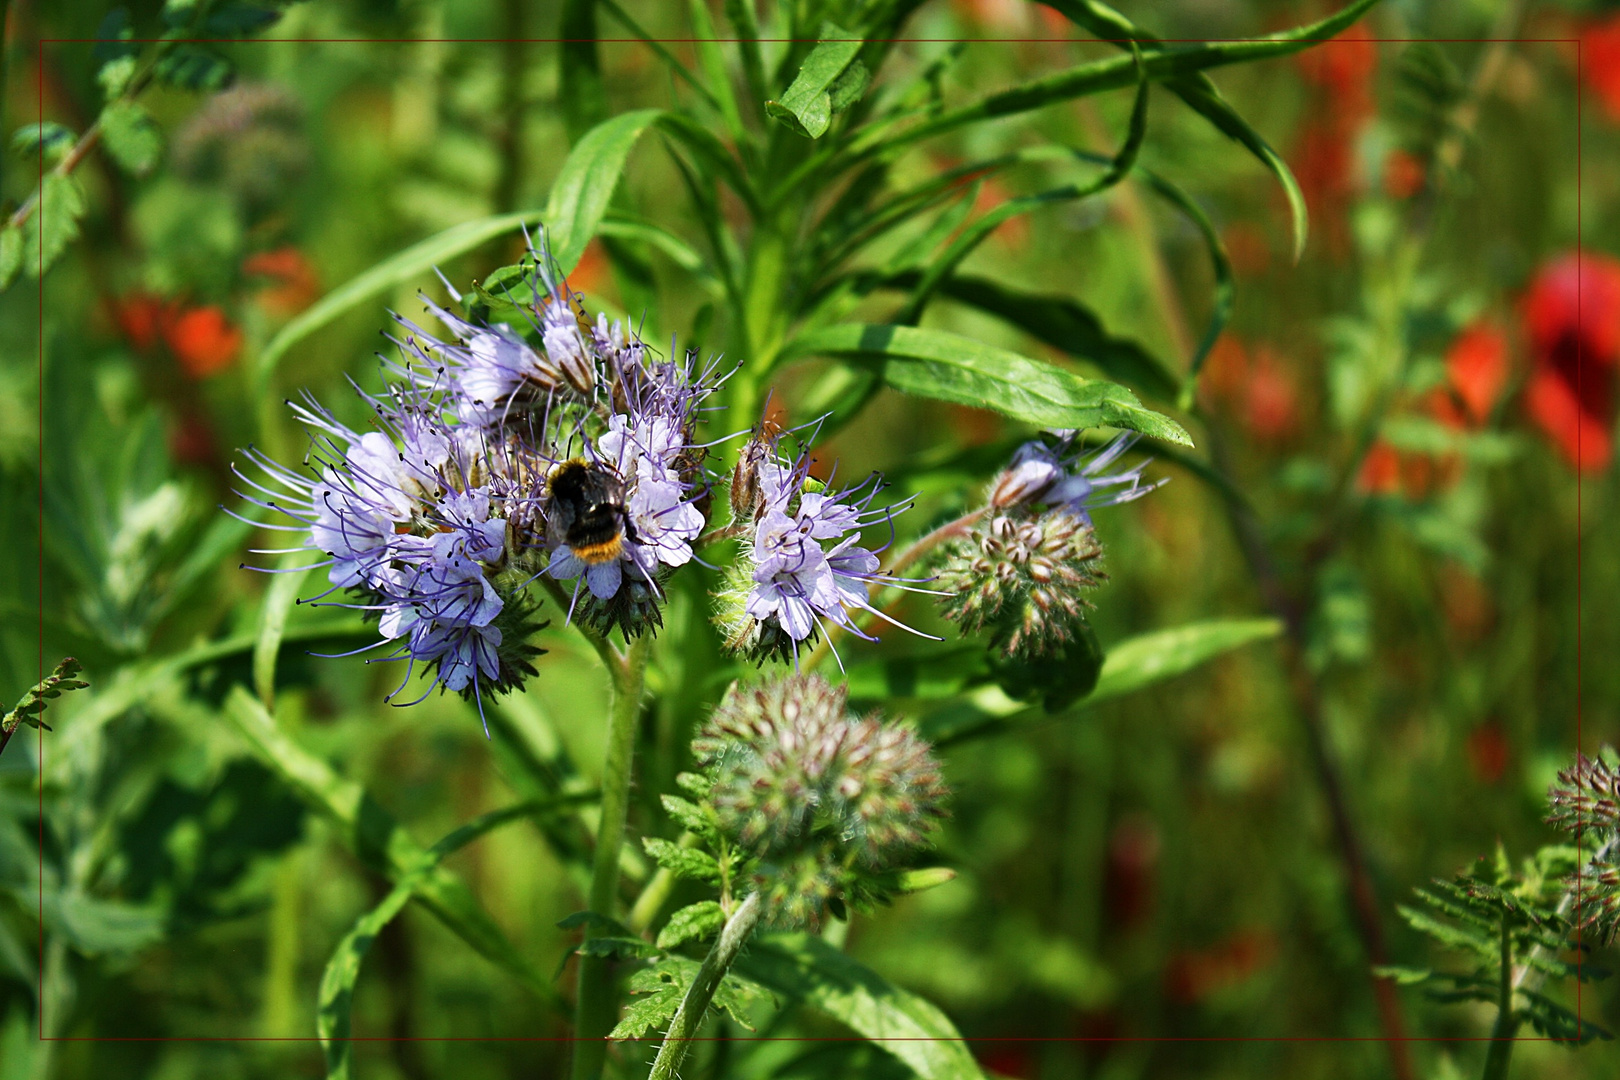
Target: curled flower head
x=1022 y=570
x=803 y=564
x=500 y=452
x=1067 y=478
x=818 y=797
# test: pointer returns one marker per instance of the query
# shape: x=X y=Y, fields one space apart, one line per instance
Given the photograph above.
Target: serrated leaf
x=690 y=816
x=807 y=105
x=584 y=186
x=694 y=784
x=808 y=969
x=55 y=224
x=1456 y=937
x=693 y=922
x=646 y=1014
x=688 y=863
x=130 y=136
x=949 y=367
x=48 y=138
x=191 y=67
x=1164 y=654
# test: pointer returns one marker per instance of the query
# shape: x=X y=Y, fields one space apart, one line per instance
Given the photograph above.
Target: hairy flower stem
x=695 y=1005
x=595 y=1006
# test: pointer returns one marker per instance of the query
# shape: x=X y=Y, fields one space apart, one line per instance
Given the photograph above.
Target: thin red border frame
x=1579 y=371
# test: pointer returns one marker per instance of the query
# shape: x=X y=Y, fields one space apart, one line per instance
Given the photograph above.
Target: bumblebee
x=585 y=510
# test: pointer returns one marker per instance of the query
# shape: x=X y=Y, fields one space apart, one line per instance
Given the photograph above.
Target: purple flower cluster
x=439 y=518
x=804 y=565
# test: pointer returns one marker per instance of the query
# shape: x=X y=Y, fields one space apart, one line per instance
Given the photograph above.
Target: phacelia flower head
x=803 y=565
x=1023 y=568
x=501 y=452
x=818 y=797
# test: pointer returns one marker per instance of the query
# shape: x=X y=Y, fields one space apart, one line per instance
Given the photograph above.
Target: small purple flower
x=796 y=581
x=1084 y=486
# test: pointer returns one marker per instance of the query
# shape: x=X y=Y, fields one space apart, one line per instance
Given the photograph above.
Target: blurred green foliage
x=1156 y=862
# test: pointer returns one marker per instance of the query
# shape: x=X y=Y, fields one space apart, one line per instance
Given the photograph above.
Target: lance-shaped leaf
x=806 y=968
x=376 y=838
x=1163 y=654
x=949 y=367
x=830 y=79
x=332 y=1017
x=584 y=187
x=408 y=265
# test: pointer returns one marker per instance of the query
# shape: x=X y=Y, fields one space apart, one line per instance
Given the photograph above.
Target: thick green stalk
x=1507 y=1021
x=595 y=1006
x=695 y=1005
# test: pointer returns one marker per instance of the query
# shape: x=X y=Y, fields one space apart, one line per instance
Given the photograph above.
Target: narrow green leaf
x=387 y=275
x=332 y=1016
x=1201 y=96
x=11 y=252
x=713 y=61
x=1062 y=322
x=130 y=136
x=55 y=224
x=581 y=90
x=1116 y=73
x=1149 y=658
x=948 y=367
x=692 y=923
x=689 y=815
x=376 y=838
x=278 y=601
x=808 y=969
x=584 y=187
x=807 y=105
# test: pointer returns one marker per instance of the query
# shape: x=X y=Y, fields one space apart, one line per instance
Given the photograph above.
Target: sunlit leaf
x=130 y=136
x=1154 y=657
x=948 y=367
x=584 y=187
x=806 y=968
x=807 y=106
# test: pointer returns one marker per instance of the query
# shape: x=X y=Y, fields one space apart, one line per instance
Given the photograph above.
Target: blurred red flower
x=141 y=317
x=1572 y=312
x=1476 y=371
x=1404 y=175
x=1193 y=976
x=203 y=341
x=1380 y=471
x=1488 y=752
x=1600 y=62
x=295 y=285
x=1271 y=406
x=1131 y=873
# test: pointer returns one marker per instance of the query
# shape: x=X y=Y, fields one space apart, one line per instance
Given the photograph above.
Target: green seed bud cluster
x=818 y=797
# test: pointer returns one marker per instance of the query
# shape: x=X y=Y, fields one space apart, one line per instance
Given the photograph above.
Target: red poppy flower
x=1488 y=752
x=1380 y=471
x=1194 y=975
x=295 y=285
x=203 y=341
x=1271 y=406
x=1600 y=63
x=1404 y=175
x=1476 y=370
x=1572 y=312
x=141 y=317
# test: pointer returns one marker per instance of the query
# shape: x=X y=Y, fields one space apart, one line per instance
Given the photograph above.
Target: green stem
x=595 y=1006
x=695 y=1005
x=1507 y=1021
